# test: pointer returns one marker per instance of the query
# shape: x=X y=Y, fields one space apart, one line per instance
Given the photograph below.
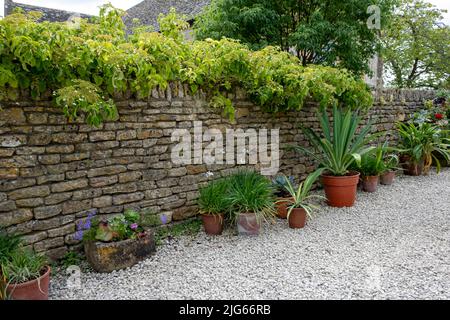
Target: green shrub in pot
x=213 y=203
x=252 y=200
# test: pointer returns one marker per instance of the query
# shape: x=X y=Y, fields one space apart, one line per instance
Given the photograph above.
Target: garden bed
x=392 y=244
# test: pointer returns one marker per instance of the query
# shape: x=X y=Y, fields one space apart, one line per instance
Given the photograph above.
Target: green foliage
x=280 y=183
x=172 y=25
x=87 y=67
x=71 y=258
x=422 y=142
x=416 y=46
x=118 y=228
x=23 y=265
x=251 y=192
x=390 y=163
x=213 y=198
x=327 y=32
x=371 y=163
x=302 y=196
x=341 y=144
x=83 y=97
x=9 y=245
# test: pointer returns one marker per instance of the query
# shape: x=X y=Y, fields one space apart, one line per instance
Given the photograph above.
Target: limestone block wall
x=52 y=171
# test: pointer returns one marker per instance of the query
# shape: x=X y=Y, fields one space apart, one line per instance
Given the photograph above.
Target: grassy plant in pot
x=24 y=274
x=283 y=197
x=299 y=208
x=213 y=202
x=252 y=202
x=336 y=150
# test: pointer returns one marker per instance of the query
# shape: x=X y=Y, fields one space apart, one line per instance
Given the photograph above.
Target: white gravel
x=393 y=244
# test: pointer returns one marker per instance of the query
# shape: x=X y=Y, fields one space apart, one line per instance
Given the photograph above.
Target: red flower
x=439 y=116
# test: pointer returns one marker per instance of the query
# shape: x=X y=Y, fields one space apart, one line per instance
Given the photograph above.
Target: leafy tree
x=417 y=46
x=327 y=32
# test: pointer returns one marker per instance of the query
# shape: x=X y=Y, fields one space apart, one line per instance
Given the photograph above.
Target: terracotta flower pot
x=36 y=289
x=213 y=224
x=297 y=218
x=414 y=169
x=247 y=224
x=341 y=191
x=281 y=206
x=370 y=183
x=387 y=178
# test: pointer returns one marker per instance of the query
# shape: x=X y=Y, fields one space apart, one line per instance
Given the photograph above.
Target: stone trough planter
x=107 y=257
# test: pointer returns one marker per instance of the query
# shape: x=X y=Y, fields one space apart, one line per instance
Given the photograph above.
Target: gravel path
x=394 y=244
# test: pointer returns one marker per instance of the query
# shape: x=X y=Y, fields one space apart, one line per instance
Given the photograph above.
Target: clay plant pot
x=387 y=178
x=247 y=224
x=281 y=206
x=340 y=191
x=36 y=289
x=370 y=183
x=110 y=256
x=213 y=224
x=297 y=218
x=413 y=169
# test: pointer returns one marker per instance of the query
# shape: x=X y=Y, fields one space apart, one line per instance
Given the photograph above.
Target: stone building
x=148 y=11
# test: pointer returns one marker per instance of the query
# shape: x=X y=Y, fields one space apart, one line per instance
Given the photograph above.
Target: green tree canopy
x=327 y=32
x=417 y=46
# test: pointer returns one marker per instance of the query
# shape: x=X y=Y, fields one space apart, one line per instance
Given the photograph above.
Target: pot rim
x=350 y=175
x=28 y=283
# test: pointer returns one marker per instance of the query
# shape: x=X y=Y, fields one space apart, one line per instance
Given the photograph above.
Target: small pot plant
x=115 y=243
x=299 y=207
x=213 y=203
x=390 y=166
x=336 y=150
x=24 y=274
x=370 y=167
x=279 y=184
x=252 y=202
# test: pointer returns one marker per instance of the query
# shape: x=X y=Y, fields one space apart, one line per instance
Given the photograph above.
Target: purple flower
x=163 y=219
x=134 y=226
x=78 y=235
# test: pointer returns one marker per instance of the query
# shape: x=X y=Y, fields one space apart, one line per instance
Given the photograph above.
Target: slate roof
x=48 y=14
x=148 y=10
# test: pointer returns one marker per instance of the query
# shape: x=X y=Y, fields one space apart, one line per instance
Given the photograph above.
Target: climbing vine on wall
x=86 y=65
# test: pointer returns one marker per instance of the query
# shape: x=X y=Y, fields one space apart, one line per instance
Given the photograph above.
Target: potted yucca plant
x=283 y=198
x=252 y=202
x=299 y=207
x=336 y=150
x=213 y=202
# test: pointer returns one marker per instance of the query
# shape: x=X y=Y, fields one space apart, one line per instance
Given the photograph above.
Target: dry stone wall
x=52 y=171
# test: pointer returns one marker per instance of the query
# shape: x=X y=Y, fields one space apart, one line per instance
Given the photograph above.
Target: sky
x=91 y=6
